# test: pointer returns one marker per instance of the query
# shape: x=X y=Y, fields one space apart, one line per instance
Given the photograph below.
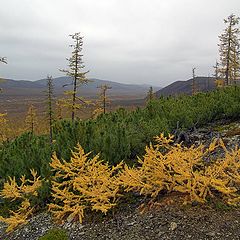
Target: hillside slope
x=185 y=87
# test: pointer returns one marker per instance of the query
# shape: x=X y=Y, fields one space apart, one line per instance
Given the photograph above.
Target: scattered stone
x=191 y=223
x=131 y=223
x=211 y=234
x=160 y=234
x=173 y=226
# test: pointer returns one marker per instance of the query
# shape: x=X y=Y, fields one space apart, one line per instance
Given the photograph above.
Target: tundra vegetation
x=79 y=166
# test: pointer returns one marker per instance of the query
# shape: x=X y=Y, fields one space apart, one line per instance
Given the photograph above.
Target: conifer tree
x=229 y=50
x=101 y=104
x=31 y=119
x=103 y=96
x=59 y=110
x=75 y=71
x=216 y=71
x=218 y=81
x=3 y=127
x=194 y=84
x=150 y=94
x=50 y=113
x=236 y=66
x=3 y=60
x=3 y=120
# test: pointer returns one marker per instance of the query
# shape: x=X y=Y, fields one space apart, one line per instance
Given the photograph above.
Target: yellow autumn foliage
x=31 y=119
x=173 y=167
x=4 y=128
x=96 y=112
x=82 y=184
x=21 y=193
x=70 y=106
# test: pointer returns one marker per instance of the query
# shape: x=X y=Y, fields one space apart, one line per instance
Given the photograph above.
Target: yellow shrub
x=178 y=168
x=82 y=184
x=23 y=192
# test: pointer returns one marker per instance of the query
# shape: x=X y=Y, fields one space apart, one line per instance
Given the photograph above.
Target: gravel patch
x=165 y=223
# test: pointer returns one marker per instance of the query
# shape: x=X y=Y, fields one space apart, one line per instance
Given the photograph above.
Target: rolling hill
x=23 y=88
x=185 y=87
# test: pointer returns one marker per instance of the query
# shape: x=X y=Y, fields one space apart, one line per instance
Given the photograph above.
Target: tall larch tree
x=3 y=127
x=31 y=119
x=49 y=110
x=2 y=60
x=194 y=83
x=75 y=71
x=229 y=50
x=102 y=102
x=59 y=109
x=236 y=65
x=3 y=120
x=150 y=94
x=217 y=79
x=103 y=96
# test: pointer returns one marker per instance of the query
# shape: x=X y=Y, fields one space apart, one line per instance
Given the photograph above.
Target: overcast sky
x=130 y=41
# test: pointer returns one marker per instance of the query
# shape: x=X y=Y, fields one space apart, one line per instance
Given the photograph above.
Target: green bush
x=25 y=152
x=122 y=135
x=119 y=135
x=55 y=234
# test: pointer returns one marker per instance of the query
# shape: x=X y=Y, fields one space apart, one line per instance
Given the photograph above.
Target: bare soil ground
x=167 y=222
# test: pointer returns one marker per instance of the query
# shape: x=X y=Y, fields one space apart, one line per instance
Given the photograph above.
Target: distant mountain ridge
x=203 y=84
x=37 y=88
x=13 y=88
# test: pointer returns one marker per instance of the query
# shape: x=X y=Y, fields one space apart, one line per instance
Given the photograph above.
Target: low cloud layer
x=135 y=41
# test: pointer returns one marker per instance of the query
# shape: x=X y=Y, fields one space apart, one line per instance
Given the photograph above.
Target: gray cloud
x=134 y=41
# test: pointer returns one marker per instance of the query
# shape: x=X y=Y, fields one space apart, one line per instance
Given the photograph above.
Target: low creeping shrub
x=172 y=167
x=82 y=184
x=22 y=194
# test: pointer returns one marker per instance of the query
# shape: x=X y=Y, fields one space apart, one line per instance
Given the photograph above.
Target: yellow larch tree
x=59 y=109
x=4 y=128
x=218 y=81
x=31 y=119
x=3 y=120
x=22 y=194
x=103 y=102
x=78 y=76
x=172 y=167
x=82 y=184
